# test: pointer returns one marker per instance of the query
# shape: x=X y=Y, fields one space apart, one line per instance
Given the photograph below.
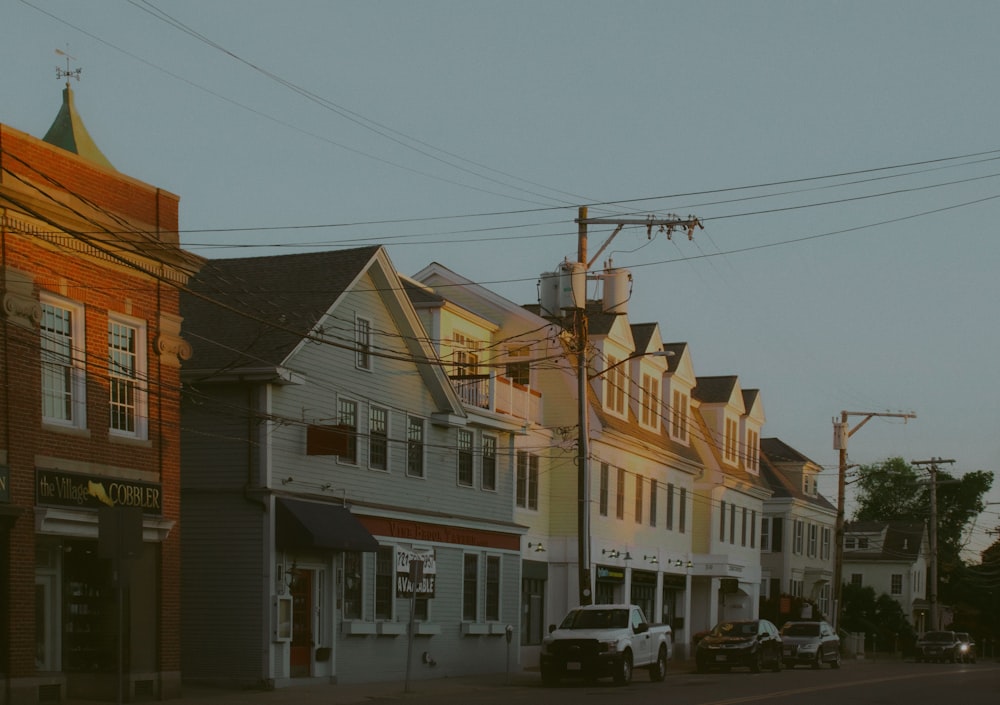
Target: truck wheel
x=623 y=674
x=550 y=677
x=658 y=670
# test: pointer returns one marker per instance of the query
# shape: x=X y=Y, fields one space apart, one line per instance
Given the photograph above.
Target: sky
x=843 y=158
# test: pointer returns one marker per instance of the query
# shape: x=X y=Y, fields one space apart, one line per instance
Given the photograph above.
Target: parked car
x=966 y=647
x=938 y=646
x=810 y=643
x=753 y=643
x=605 y=640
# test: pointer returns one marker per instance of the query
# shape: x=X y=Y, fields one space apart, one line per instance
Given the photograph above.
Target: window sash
x=603 y=494
x=63 y=375
x=363 y=343
x=489 y=469
x=378 y=438
x=385 y=564
x=414 y=447
x=465 y=466
x=470 y=587
x=347 y=416
x=493 y=588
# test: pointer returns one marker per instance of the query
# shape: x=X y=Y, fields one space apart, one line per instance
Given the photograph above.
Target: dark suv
x=938 y=646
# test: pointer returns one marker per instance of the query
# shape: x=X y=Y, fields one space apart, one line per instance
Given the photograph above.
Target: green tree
x=894 y=490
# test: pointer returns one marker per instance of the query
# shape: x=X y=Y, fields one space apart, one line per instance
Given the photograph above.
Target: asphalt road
x=888 y=682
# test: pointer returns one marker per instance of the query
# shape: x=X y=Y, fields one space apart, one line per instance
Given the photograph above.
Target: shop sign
x=610 y=574
x=66 y=489
x=415 y=568
x=4 y=483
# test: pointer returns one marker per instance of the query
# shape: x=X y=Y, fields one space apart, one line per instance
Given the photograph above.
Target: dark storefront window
x=89 y=610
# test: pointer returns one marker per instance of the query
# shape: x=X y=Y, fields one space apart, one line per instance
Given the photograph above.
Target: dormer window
x=731 y=440
x=615 y=385
x=679 y=416
x=809 y=484
x=753 y=452
x=650 y=401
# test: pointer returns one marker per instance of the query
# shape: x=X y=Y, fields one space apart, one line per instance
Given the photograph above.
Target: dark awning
x=300 y=524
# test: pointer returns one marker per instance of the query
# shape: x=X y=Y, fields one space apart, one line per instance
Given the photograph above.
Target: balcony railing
x=499 y=394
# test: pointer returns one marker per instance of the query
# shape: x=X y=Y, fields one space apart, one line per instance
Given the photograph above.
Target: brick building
x=90 y=352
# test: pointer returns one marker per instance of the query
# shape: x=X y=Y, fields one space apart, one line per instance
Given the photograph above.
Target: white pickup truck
x=605 y=640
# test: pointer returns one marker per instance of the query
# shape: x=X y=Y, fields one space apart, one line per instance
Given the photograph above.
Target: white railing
x=499 y=394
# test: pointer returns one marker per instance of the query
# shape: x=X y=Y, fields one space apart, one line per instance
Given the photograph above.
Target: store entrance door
x=302 y=624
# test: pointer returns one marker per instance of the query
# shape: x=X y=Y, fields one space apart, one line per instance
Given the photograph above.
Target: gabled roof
x=775 y=453
x=253 y=312
x=900 y=540
x=68 y=132
x=642 y=334
x=715 y=390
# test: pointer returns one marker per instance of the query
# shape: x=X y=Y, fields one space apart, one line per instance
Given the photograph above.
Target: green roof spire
x=68 y=130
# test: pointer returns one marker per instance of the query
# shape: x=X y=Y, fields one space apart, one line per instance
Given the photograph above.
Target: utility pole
x=663 y=225
x=841 y=433
x=932 y=578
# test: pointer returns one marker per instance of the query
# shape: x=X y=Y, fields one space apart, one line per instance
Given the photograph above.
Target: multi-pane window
x=650 y=401
x=414 y=446
x=527 y=480
x=489 y=469
x=743 y=526
x=765 y=535
x=363 y=343
x=353 y=585
x=385 y=564
x=63 y=376
x=796 y=588
x=753 y=528
x=517 y=369
x=603 y=494
x=470 y=587
x=615 y=386
x=620 y=496
x=722 y=520
x=493 y=588
x=465 y=471
x=896 y=584
x=653 y=491
x=126 y=373
x=466 y=354
x=813 y=545
x=732 y=524
x=670 y=506
x=378 y=438
x=679 y=416
x=825 y=545
x=682 y=510
x=799 y=537
x=640 y=484
x=753 y=451
x=856 y=579
x=347 y=418
x=731 y=440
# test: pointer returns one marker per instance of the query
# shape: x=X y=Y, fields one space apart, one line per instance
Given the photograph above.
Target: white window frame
x=138 y=379
x=650 y=406
x=800 y=536
x=490 y=445
x=616 y=383
x=363 y=343
x=526 y=480
x=485 y=576
x=765 y=534
x=813 y=541
x=383 y=437
x=344 y=404
x=75 y=368
x=679 y=417
x=415 y=423
x=465 y=454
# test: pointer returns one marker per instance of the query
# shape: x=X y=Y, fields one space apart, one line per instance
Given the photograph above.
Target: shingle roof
x=714 y=389
x=772 y=452
x=902 y=540
x=252 y=312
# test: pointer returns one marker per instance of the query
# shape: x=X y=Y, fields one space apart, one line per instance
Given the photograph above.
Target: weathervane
x=67 y=73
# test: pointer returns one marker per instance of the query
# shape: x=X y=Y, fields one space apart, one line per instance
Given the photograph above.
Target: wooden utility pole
x=841 y=433
x=932 y=577
x=665 y=225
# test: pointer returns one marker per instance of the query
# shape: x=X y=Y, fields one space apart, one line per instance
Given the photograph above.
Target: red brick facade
x=109 y=243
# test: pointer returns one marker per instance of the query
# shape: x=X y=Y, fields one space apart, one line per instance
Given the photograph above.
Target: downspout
x=7 y=435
